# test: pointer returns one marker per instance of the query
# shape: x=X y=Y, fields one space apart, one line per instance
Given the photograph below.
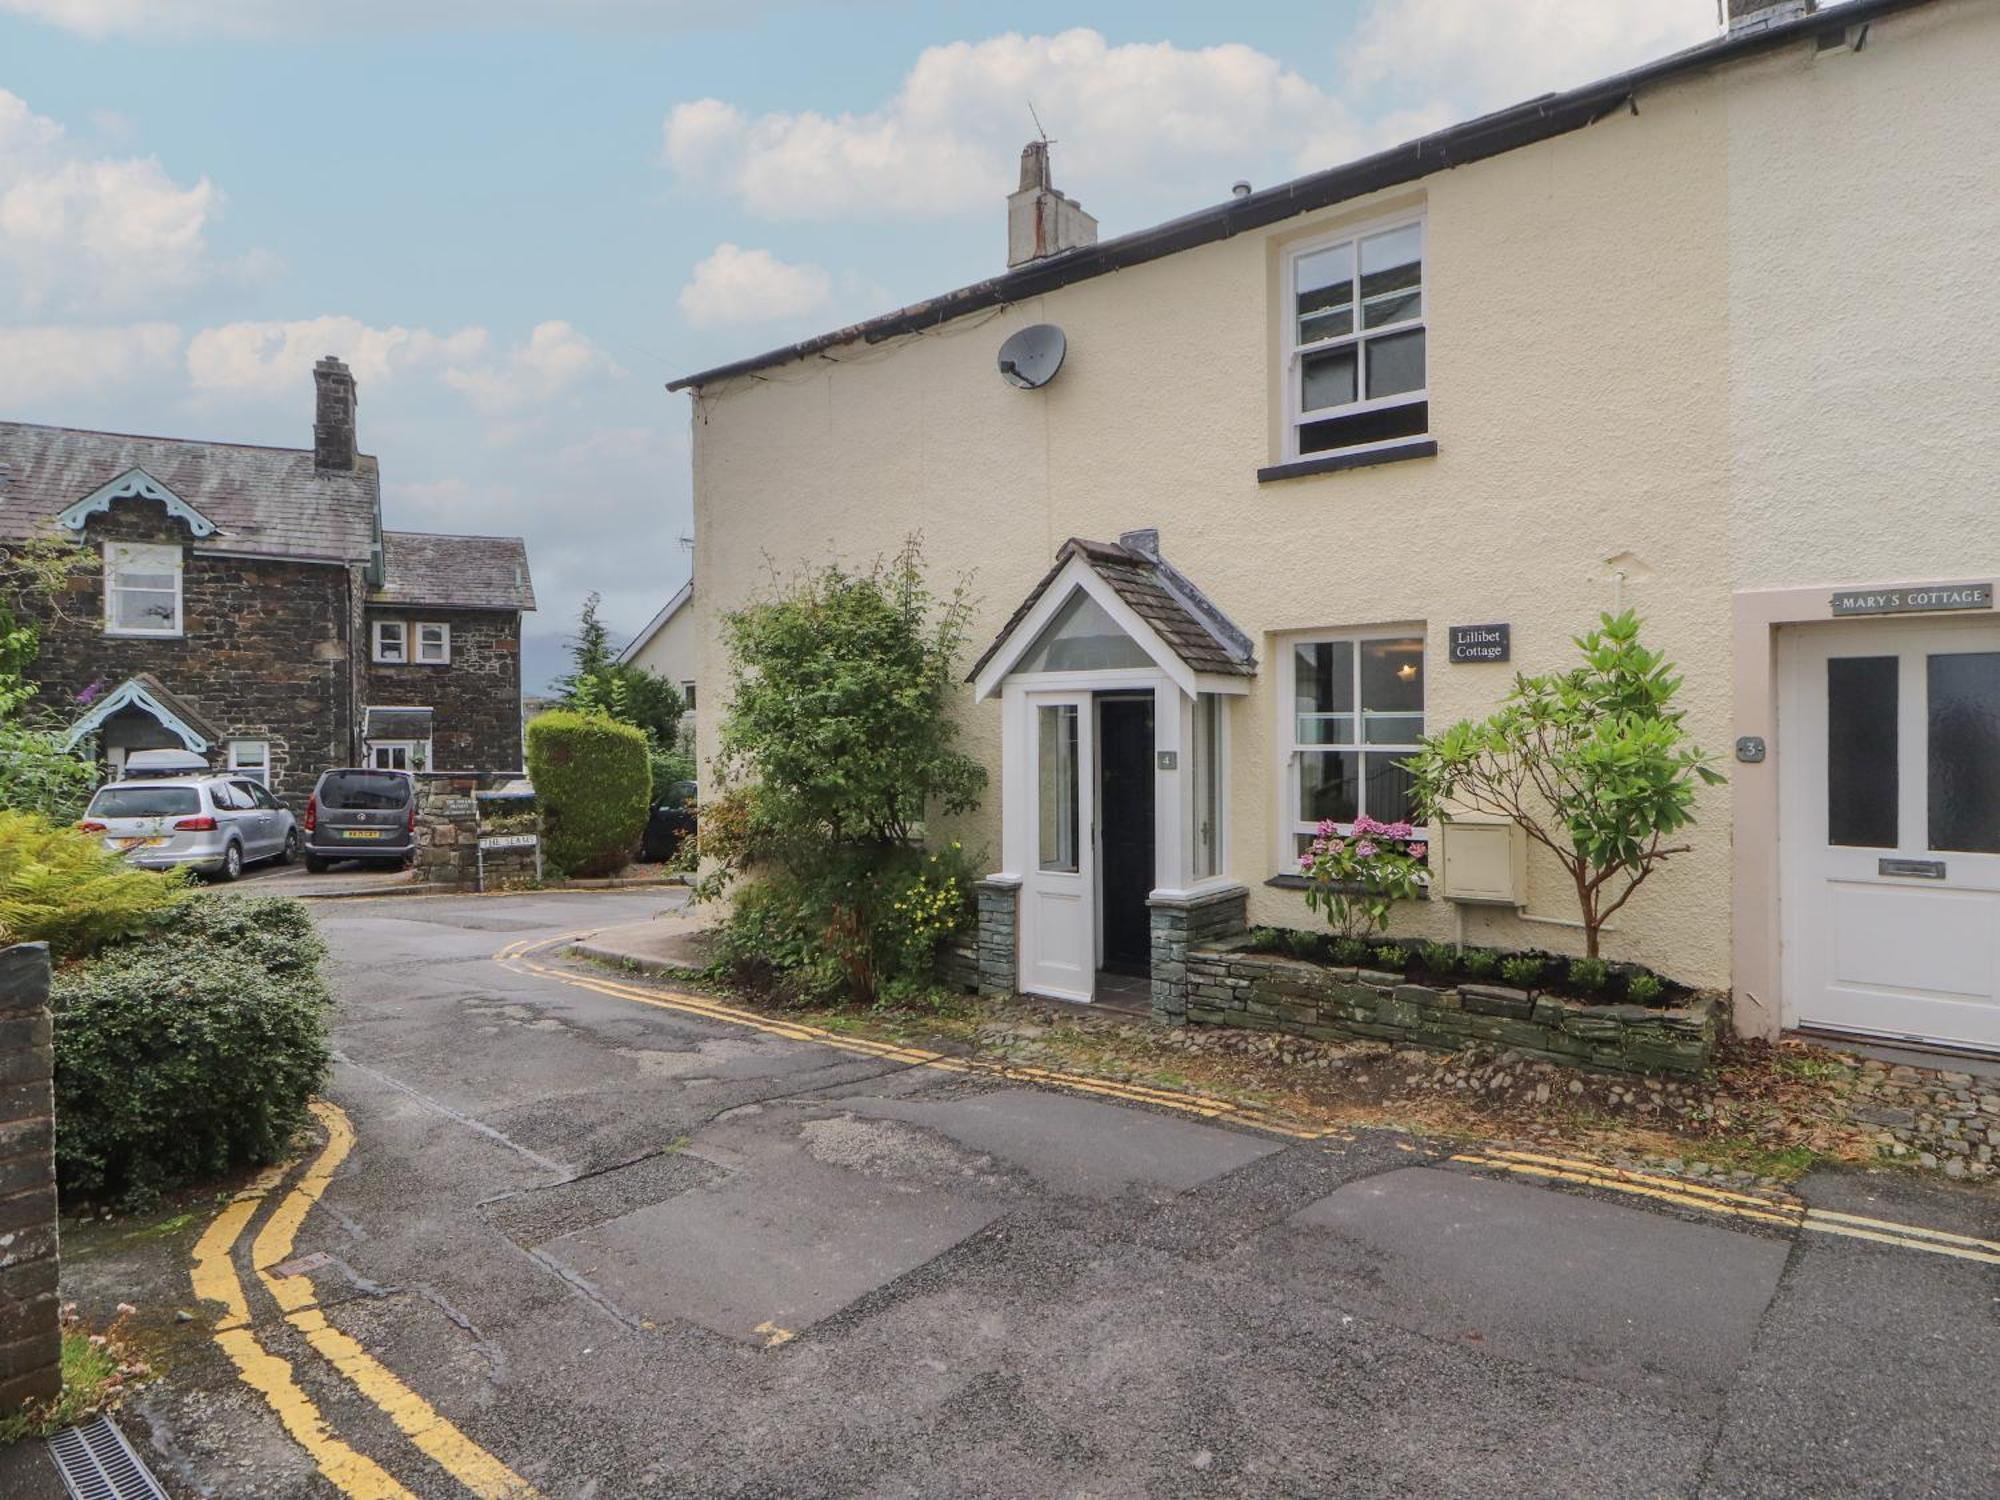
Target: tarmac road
x=566 y=1242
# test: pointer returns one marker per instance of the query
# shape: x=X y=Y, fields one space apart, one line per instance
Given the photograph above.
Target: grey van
x=358 y=813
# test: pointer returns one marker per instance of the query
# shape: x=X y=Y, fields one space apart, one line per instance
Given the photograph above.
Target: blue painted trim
x=134 y=484
x=130 y=694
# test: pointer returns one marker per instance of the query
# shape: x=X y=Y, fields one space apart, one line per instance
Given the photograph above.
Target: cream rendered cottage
x=1717 y=340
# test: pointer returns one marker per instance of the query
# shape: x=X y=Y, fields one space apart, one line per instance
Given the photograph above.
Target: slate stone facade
x=476 y=697
x=30 y=1329
x=264 y=653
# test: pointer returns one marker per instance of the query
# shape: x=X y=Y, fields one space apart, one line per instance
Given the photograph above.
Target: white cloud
x=78 y=231
x=734 y=285
x=259 y=18
x=244 y=358
x=1479 y=55
x=950 y=139
x=553 y=363
x=50 y=361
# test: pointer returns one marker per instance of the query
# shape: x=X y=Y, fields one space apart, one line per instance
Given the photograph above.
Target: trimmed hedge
x=190 y=1053
x=594 y=785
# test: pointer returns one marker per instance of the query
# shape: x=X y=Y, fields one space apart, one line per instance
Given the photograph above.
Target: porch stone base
x=998 y=957
x=1264 y=992
x=1180 y=923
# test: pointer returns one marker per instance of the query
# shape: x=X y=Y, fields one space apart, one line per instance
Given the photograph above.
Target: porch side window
x=1357 y=715
x=1355 y=373
x=1205 y=785
x=142 y=589
x=1055 y=749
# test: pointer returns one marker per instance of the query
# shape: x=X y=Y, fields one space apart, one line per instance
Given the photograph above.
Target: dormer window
x=142 y=589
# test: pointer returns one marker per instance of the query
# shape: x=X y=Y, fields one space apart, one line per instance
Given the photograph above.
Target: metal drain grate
x=96 y=1463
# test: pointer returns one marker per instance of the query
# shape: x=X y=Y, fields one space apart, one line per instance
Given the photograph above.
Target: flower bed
x=1230 y=984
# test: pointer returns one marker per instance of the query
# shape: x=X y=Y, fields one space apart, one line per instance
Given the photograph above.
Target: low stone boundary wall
x=30 y=1327
x=1264 y=992
x=958 y=967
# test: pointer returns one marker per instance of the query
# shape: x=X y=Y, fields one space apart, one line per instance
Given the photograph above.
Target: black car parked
x=357 y=813
x=671 y=823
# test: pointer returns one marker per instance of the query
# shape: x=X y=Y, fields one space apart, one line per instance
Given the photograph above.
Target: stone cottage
x=250 y=607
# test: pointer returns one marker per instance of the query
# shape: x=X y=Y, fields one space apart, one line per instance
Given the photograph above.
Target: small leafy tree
x=1593 y=763
x=37 y=772
x=840 y=731
x=598 y=683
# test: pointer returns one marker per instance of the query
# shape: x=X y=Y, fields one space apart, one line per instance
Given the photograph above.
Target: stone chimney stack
x=1040 y=220
x=1762 y=15
x=333 y=416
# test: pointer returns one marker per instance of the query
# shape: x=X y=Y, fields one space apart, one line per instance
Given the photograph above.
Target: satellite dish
x=1030 y=358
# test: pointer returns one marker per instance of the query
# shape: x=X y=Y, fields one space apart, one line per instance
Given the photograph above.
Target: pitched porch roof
x=1183 y=617
x=145 y=691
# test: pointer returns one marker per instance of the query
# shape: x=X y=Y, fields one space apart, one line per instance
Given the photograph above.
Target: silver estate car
x=215 y=824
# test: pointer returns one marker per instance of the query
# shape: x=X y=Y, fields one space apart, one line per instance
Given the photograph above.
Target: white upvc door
x=1890 y=828
x=1059 y=881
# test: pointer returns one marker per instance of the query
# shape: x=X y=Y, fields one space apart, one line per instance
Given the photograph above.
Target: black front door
x=1125 y=828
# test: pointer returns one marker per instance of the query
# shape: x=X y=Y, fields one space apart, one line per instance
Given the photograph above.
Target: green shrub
x=1644 y=989
x=1392 y=956
x=191 y=1053
x=1521 y=971
x=38 y=775
x=1439 y=958
x=1351 y=951
x=1302 y=944
x=1480 y=963
x=61 y=886
x=593 y=787
x=1588 y=974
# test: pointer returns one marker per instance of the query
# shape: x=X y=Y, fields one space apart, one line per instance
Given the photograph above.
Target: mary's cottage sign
x=1913 y=599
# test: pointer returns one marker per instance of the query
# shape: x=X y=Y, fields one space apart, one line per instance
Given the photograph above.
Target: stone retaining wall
x=447 y=830
x=1179 y=922
x=1228 y=986
x=999 y=926
x=958 y=967
x=30 y=1329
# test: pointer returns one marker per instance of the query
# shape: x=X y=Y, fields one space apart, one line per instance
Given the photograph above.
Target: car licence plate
x=365 y=833
x=140 y=843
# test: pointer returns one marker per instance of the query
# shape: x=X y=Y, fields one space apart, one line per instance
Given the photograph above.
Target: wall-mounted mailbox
x=1481 y=860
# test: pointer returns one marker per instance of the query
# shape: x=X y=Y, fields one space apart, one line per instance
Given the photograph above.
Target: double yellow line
x=354 y=1474
x=520 y=959
x=1782 y=1210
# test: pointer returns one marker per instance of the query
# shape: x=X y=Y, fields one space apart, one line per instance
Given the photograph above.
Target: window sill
x=147 y=635
x=1333 y=463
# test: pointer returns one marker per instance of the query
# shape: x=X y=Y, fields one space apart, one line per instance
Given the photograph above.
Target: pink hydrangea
x=1327 y=828
x=1398 y=831
x=1305 y=861
x=1365 y=849
x=1419 y=850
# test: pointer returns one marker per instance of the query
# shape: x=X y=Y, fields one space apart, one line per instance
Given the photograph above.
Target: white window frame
x=687 y=696
x=421 y=658
x=416 y=754
x=1295 y=352
x=380 y=633
x=1290 y=747
x=257 y=770
x=147 y=557
x=1218 y=704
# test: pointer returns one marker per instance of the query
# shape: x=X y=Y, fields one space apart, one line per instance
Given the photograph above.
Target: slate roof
x=461 y=572
x=270 y=501
x=1157 y=593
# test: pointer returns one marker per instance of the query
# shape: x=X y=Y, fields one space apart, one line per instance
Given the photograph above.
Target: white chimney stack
x=1040 y=220
x=1762 y=15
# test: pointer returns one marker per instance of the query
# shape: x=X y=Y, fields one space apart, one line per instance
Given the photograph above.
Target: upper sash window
x=1355 y=371
x=142 y=589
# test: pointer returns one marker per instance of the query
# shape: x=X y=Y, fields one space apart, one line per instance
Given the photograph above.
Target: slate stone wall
x=30 y=1330
x=475 y=699
x=958 y=967
x=1264 y=992
x=1179 y=923
x=999 y=936
x=264 y=654
x=447 y=830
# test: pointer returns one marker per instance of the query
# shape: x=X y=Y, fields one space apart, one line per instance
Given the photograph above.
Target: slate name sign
x=1481 y=642
x=1916 y=598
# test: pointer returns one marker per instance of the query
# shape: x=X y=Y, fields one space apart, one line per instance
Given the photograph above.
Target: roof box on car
x=163 y=763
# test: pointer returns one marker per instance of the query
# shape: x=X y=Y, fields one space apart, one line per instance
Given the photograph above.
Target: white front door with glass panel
x=1058 y=912
x=1890 y=831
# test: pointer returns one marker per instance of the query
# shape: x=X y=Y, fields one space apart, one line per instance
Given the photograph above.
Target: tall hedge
x=594 y=785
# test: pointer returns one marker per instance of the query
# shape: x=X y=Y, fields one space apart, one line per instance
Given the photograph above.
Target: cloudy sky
x=517 y=219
